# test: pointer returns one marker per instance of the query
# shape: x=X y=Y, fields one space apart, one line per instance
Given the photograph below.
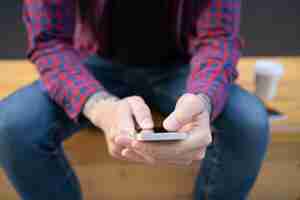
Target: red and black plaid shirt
x=59 y=42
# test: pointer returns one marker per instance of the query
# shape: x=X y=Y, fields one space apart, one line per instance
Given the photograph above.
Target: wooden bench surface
x=105 y=178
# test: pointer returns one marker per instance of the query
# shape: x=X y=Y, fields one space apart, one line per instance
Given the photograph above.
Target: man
x=105 y=63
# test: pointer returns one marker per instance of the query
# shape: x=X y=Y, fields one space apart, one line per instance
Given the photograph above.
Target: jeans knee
x=16 y=143
x=27 y=130
x=8 y=142
x=256 y=125
x=246 y=120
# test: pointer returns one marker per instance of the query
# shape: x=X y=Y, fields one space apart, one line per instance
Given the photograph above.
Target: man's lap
x=30 y=108
x=29 y=117
x=29 y=113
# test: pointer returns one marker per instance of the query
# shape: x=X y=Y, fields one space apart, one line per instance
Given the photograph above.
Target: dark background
x=268 y=27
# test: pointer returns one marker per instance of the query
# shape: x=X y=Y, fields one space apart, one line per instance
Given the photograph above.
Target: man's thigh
x=168 y=85
x=243 y=111
x=31 y=115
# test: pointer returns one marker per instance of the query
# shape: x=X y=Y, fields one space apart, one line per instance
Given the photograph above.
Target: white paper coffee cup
x=267 y=76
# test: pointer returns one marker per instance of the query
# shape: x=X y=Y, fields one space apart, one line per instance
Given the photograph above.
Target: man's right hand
x=116 y=117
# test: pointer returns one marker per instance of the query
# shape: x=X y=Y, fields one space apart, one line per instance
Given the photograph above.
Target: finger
x=184 y=159
x=200 y=155
x=132 y=156
x=123 y=140
x=118 y=143
x=186 y=108
x=115 y=152
x=200 y=135
x=186 y=128
x=119 y=157
x=148 y=158
x=126 y=142
x=170 y=150
x=182 y=162
x=141 y=112
x=198 y=138
x=162 y=150
x=125 y=119
x=119 y=151
x=199 y=141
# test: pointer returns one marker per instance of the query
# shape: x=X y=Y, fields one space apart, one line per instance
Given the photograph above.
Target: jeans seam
x=216 y=165
x=53 y=125
x=60 y=159
x=68 y=173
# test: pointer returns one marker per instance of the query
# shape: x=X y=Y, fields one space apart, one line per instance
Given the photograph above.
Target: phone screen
x=159 y=130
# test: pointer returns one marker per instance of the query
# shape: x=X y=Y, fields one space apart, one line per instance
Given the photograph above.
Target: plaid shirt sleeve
x=216 y=51
x=50 y=25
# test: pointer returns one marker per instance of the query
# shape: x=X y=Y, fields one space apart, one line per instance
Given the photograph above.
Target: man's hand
x=116 y=117
x=191 y=116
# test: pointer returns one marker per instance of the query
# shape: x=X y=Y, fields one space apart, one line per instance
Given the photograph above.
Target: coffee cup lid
x=269 y=67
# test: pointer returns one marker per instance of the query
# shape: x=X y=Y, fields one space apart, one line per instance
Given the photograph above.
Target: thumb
x=187 y=107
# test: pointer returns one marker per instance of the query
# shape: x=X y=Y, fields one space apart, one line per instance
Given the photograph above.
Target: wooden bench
x=105 y=178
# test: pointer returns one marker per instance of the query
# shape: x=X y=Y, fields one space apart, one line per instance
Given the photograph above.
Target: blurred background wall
x=268 y=27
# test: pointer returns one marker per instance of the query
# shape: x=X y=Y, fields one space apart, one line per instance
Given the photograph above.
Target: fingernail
x=124 y=152
x=201 y=155
x=171 y=124
x=146 y=157
x=147 y=123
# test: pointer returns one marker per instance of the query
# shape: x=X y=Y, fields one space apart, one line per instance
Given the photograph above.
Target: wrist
x=207 y=106
x=96 y=99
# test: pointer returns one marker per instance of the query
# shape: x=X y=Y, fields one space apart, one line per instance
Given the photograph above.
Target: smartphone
x=159 y=134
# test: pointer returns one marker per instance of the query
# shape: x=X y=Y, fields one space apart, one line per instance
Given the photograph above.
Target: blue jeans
x=33 y=127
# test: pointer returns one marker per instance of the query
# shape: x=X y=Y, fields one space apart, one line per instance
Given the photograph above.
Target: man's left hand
x=190 y=116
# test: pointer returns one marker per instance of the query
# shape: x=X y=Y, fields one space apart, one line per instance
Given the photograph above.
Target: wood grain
x=112 y=180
